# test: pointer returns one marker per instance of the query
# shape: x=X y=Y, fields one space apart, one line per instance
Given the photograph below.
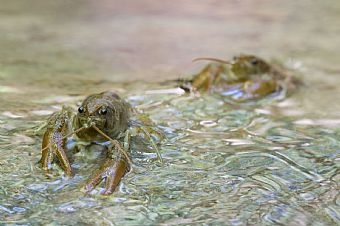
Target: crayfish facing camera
x=101 y=117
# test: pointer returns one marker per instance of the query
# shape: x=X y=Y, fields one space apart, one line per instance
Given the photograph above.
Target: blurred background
x=80 y=47
x=124 y=40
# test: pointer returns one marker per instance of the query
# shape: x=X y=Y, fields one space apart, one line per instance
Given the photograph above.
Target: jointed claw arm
x=114 y=168
x=54 y=142
x=112 y=171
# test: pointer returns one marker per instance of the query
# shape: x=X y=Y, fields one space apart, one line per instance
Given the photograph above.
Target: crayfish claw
x=112 y=172
x=54 y=143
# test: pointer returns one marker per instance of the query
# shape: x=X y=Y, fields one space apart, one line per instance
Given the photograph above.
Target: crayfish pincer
x=101 y=117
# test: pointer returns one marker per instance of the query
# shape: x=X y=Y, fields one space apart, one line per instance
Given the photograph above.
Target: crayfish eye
x=103 y=111
x=81 y=110
x=254 y=61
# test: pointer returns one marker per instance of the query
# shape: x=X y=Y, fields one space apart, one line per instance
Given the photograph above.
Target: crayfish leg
x=152 y=142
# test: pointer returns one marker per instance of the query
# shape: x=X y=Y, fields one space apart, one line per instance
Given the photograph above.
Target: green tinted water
x=270 y=162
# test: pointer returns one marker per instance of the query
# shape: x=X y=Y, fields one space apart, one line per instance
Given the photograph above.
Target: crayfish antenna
x=115 y=143
x=211 y=59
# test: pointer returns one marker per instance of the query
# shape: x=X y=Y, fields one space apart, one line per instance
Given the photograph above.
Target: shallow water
x=267 y=162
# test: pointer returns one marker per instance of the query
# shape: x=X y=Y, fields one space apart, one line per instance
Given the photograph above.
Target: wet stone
x=37 y=187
